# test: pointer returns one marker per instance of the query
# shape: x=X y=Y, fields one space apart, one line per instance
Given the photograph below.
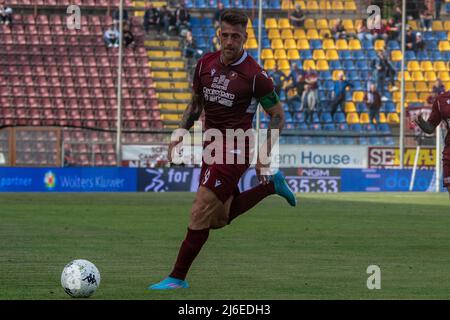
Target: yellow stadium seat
x=349 y=6
x=358 y=96
x=251 y=44
x=336 y=74
x=273 y=34
x=430 y=76
x=337 y=6
x=319 y=55
x=172 y=54
x=348 y=24
x=324 y=5
x=341 y=44
x=411 y=97
x=169 y=106
x=284 y=65
x=312 y=34
x=284 y=23
x=287 y=34
x=287 y=5
x=251 y=33
x=312 y=6
x=322 y=24
x=332 y=54
x=426 y=66
x=447 y=85
x=413 y=24
x=328 y=44
x=382 y=117
x=325 y=33
x=396 y=55
x=322 y=65
x=413 y=66
x=310 y=24
x=352 y=118
x=423 y=96
x=266 y=54
x=448 y=36
x=407 y=76
x=379 y=44
x=299 y=34
x=417 y=76
x=290 y=44
x=309 y=65
x=444 y=46
x=182 y=96
x=409 y=86
x=354 y=44
x=364 y=118
x=420 y=86
x=277 y=44
x=303 y=44
x=444 y=76
x=439 y=66
x=269 y=64
x=396 y=96
x=437 y=25
x=393 y=118
x=271 y=23
x=447 y=25
x=293 y=54
x=349 y=107
x=280 y=54
x=301 y=3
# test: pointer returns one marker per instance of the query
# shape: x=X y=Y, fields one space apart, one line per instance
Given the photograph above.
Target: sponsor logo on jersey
x=233 y=75
x=207 y=174
x=213 y=71
x=265 y=74
x=218 y=183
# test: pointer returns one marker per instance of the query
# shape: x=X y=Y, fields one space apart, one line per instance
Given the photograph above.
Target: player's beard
x=231 y=54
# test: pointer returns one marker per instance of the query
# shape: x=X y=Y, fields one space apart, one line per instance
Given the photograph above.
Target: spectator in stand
x=278 y=78
x=392 y=30
x=312 y=80
x=297 y=82
x=437 y=8
x=190 y=47
x=69 y=159
x=116 y=16
x=165 y=19
x=217 y=14
x=397 y=16
x=5 y=13
x=419 y=44
x=382 y=68
x=338 y=94
x=128 y=37
x=215 y=43
x=297 y=18
x=426 y=18
x=410 y=39
x=372 y=98
x=338 y=30
x=363 y=32
x=438 y=87
x=308 y=103
x=182 y=18
x=111 y=37
x=150 y=17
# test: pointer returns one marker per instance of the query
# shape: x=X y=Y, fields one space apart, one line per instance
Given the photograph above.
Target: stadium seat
x=352 y=118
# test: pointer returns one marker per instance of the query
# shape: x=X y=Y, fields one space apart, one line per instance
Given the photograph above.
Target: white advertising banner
x=323 y=156
x=290 y=156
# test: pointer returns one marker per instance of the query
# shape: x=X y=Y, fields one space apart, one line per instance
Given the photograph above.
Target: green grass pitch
x=318 y=250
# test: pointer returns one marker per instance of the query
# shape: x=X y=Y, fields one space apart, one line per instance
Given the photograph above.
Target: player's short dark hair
x=234 y=17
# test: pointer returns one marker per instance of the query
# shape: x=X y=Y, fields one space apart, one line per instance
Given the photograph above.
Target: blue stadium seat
x=316 y=126
x=325 y=117
x=306 y=54
x=361 y=107
x=326 y=75
x=393 y=45
x=359 y=55
x=428 y=35
x=290 y=125
x=335 y=65
x=339 y=117
x=335 y=140
x=343 y=127
x=345 y=55
x=329 y=126
x=315 y=44
x=356 y=127
x=390 y=107
x=274 y=4
x=302 y=126
x=328 y=85
x=384 y=127
x=349 y=140
x=352 y=76
x=375 y=141
x=363 y=141
x=389 y=141
x=441 y=36
x=365 y=74
x=371 y=54
x=410 y=55
x=436 y=56
x=367 y=44
x=362 y=65
x=348 y=65
x=369 y=127
x=307 y=140
x=423 y=55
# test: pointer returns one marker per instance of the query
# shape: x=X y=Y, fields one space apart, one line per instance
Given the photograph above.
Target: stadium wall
x=186 y=179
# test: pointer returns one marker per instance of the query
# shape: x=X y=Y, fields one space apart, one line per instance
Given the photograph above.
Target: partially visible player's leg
x=207 y=212
x=448 y=188
x=446 y=167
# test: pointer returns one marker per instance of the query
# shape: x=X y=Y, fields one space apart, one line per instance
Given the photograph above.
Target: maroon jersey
x=232 y=92
x=441 y=112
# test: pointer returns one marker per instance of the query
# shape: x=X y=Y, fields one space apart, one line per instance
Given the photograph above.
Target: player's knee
x=219 y=220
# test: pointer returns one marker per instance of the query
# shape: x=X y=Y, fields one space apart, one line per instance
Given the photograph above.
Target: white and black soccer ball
x=80 y=278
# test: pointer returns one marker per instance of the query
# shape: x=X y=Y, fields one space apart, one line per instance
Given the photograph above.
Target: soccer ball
x=80 y=278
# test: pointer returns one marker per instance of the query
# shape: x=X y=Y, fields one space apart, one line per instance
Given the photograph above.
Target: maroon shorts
x=222 y=179
x=446 y=169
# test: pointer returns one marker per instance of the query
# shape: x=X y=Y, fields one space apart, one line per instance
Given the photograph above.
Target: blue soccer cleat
x=282 y=188
x=169 y=283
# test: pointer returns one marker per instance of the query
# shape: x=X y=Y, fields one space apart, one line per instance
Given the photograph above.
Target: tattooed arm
x=276 y=124
x=190 y=115
x=425 y=125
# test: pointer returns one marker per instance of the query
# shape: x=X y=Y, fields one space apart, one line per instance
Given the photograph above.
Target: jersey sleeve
x=264 y=90
x=435 y=116
x=196 y=83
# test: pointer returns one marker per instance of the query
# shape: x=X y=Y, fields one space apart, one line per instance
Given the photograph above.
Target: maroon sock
x=189 y=249
x=248 y=199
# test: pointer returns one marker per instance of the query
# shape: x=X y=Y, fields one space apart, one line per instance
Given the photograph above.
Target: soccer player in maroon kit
x=440 y=112
x=228 y=85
